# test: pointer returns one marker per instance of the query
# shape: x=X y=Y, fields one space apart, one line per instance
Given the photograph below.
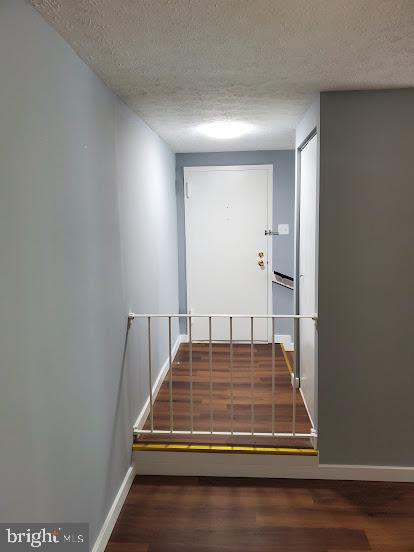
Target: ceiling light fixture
x=225 y=130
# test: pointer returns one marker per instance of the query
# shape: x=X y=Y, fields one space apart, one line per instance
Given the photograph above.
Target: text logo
x=46 y=537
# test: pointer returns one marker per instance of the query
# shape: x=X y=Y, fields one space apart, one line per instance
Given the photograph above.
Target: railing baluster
x=273 y=377
x=210 y=365
x=171 y=375
x=210 y=431
x=191 y=373
x=231 y=377
x=252 y=374
x=296 y=326
x=150 y=374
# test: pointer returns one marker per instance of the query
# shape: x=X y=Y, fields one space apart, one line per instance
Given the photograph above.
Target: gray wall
x=146 y=176
x=74 y=162
x=283 y=212
x=366 y=267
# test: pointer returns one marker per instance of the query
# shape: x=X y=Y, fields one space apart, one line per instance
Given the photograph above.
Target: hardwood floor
x=176 y=514
x=221 y=397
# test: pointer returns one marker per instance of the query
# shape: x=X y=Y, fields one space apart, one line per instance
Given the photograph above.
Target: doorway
x=228 y=256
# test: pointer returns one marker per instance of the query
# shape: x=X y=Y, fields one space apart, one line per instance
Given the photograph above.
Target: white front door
x=307 y=271
x=227 y=211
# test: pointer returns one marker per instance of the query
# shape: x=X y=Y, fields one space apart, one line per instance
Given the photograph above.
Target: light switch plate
x=283 y=229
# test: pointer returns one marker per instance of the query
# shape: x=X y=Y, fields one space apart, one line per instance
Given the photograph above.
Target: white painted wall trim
x=109 y=523
x=261 y=465
x=286 y=340
x=306 y=406
x=279 y=338
x=367 y=473
x=143 y=415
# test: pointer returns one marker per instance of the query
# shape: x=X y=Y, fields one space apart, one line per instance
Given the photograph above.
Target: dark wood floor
x=221 y=397
x=173 y=514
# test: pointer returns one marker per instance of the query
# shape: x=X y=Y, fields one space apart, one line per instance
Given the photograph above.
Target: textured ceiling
x=180 y=63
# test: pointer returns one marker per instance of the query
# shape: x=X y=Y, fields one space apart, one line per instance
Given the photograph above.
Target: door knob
x=260 y=262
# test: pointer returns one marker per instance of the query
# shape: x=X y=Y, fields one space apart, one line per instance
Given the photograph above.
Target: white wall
x=74 y=164
x=308 y=374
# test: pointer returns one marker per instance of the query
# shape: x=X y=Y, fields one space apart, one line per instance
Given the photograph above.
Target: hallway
x=184 y=186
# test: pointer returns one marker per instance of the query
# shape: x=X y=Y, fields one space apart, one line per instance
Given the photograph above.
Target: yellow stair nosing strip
x=286 y=358
x=238 y=449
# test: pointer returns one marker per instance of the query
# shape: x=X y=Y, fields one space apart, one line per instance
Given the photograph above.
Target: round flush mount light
x=225 y=130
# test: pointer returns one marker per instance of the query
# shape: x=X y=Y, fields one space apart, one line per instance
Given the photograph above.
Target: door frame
x=266 y=225
x=314 y=132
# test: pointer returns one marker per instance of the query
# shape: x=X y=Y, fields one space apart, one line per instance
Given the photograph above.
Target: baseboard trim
x=109 y=523
x=290 y=368
x=367 y=473
x=306 y=406
x=285 y=340
x=261 y=465
x=143 y=415
x=185 y=339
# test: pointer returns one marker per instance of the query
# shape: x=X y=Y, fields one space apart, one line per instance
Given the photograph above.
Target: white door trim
x=307 y=281
x=315 y=132
x=266 y=225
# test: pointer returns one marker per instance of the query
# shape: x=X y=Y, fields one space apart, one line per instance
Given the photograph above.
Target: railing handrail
x=133 y=315
x=172 y=430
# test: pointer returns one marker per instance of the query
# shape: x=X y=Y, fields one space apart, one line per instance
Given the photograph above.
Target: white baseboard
x=306 y=406
x=286 y=339
x=109 y=523
x=403 y=474
x=143 y=415
x=279 y=338
x=261 y=465
x=294 y=381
